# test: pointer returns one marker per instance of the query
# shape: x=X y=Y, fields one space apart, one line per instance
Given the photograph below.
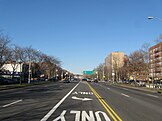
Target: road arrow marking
x=83 y=99
x=75 y=93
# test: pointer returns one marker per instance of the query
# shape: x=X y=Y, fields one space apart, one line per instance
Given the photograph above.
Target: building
x=155 y=62
x=12 y=67
x=115 y=59
x=113 y=63
x=8 y=69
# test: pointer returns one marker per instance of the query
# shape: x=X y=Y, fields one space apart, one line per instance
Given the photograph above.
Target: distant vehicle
x=128 y=81
x=89 y=80
x=140 y=83
x=84 y=79
x=74 y=80
x=66 y=81
x=95 y=80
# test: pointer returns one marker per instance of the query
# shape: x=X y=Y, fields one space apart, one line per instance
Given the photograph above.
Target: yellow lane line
x=100 y=99
x=105 y=105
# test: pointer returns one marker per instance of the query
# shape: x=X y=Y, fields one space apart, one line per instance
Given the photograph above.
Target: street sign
x=88 y=72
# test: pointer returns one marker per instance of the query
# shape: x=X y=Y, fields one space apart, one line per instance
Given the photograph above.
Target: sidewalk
x=14 y=86
x=155 y=90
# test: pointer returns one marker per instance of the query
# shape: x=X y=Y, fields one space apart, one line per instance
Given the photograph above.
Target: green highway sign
x=88 y=72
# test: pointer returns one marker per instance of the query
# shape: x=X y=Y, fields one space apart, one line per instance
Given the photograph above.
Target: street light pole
x=56 y=74
x=103 y=72
x=97 y=74
x=29 y=76
x=21 y=72
x=62 y=75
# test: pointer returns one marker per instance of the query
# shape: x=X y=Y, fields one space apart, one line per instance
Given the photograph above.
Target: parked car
x=8 y=81
x=66 y=81
x=140 y=83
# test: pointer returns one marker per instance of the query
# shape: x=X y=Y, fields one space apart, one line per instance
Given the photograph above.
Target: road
x=79 y=101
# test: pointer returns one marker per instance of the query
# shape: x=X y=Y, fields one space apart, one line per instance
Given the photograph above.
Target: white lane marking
x=57 y=105
x=104 y=114
x=61 y=117
x=125 y=95
x=152 y=95
x=89 y=117
x=77 y=114
x=84 y=115
x=104 y=86
x=12 y=103
x=125 y=88
x=82 y=99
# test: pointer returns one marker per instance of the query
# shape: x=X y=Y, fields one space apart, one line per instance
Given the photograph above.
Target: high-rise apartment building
x=115 y=59
x=155 y=61
x=113 y=63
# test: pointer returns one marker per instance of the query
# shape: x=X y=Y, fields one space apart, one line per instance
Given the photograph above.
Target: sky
x=81 y=33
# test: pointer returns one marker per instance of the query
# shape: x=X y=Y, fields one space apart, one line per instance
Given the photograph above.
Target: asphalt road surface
x=79 y=101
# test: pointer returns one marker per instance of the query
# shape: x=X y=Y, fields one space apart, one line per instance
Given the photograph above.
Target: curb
x=9 y=87
x=138 y=88
x=159 y=92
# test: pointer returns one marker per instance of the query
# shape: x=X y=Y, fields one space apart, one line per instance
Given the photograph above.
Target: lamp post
x=66 y=75
x=62 y=75
x=103 y=72
x=97 y=74
x=56 y=74
x=20 y=71
x=29 y=76
x=113 y=74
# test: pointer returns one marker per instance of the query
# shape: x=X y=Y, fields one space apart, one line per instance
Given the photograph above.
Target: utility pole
x=103 y=72
x=29 y=76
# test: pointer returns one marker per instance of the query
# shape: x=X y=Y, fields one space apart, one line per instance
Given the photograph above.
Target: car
x=84 y=79
x=8 y=81
x=95 y=80
x=66 y=81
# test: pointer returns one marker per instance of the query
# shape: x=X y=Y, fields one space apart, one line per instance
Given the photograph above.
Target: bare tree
x=124 y=71
x=99 y=69
x=4 y=50
x=137 y=64
x=16 y=59
x=144 y=49
x=159 y=39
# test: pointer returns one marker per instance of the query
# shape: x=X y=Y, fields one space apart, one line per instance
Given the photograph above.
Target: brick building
x=155 y=62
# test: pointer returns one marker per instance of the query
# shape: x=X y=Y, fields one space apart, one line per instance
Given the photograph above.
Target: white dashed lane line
x=125 y=89
x=125 y=95
x=104 y=87
x=108 y=88
x=152 y=95
x=11 y=103
x=57 y=105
